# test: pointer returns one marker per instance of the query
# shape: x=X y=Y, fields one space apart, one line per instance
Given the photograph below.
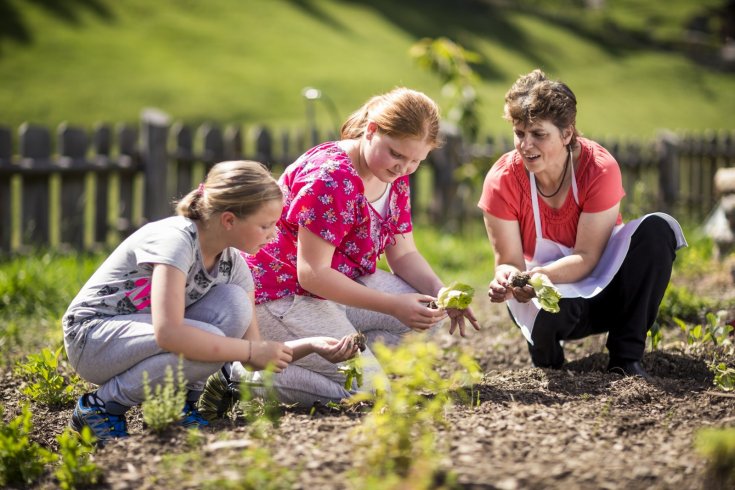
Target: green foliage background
x=85 y=61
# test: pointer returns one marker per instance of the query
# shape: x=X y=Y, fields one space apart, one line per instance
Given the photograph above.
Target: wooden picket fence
x=95 y=187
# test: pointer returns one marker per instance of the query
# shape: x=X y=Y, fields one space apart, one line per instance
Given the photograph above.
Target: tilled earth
x=528 y=428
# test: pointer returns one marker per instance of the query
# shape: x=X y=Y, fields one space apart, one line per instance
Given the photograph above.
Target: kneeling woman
x=552 y=206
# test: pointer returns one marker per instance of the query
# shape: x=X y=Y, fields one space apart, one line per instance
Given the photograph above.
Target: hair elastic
x=200 y=189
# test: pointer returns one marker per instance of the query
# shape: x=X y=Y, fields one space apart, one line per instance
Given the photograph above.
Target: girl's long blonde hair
x=240 y=187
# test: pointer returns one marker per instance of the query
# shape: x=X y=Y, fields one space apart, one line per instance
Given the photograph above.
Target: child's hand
x=413 y=311
x=267 y=353
x=458 y=320
x=334 y=350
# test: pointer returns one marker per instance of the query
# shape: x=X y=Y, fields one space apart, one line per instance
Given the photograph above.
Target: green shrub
x=718 y=446
x=45 y=382
x=713 y=331
x=163 y=406
x=398 y=441
x=42 y=285
x=21 y=460
x=679 y=302
x=77 y=468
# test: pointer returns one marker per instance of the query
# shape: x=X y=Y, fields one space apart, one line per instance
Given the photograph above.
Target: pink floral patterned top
x=324 y=194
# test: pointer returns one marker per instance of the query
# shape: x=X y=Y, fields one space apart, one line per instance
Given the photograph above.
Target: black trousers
x=625 y=309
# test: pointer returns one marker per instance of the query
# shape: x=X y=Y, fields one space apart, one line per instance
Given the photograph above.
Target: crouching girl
x=179 y=287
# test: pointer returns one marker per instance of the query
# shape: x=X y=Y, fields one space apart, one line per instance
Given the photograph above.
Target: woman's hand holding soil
x=504 y=287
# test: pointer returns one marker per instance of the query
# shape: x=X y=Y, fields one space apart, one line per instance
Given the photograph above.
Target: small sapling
x=548 y=295
x=352 y=369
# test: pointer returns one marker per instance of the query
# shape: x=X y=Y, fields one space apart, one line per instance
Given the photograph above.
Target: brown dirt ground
x=578 y=427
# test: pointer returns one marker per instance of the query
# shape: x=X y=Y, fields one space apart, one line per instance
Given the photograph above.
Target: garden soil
x=527 y=428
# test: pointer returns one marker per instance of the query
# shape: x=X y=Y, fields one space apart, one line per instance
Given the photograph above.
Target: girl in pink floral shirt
x=347 y=203
x=325 y=196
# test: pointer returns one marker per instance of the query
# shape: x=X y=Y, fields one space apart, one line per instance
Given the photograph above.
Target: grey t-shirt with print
x=122 y=284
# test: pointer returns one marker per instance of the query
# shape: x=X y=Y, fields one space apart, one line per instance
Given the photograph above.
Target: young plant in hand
x=548 y=295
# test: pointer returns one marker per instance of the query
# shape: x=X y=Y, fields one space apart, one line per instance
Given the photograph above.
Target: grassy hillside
x=247 y=62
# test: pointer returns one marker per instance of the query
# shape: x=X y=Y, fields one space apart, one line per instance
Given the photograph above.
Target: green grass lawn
x=247 y=62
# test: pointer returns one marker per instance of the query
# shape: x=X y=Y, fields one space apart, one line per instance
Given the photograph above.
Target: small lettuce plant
x=456 y=296
x=547 y=294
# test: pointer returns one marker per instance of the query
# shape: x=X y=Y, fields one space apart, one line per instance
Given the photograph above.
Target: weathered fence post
x=264 y=147
x=72 y=145
x=184 y=158
x=125 y=172
x=213 y=144
x=6 y=153
x=102 y=145
x=445 y=160
x=35 y=153
x=233 y=143
x=154 y=134
x=667 y=146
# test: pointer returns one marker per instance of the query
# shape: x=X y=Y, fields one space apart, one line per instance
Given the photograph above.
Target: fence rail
x=91 y=189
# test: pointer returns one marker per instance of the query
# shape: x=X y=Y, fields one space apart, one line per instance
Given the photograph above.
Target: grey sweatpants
x=114 y=352
x=313 y=378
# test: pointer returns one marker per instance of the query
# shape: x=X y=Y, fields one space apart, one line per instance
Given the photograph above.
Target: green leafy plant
x=718 y=446
x=655 y=334
x=680 y=303
x=455 y=295
x=546 y=293
x=352 y=369
x=398 y=441
x=77 y=468
x=716 y=331
x=452 y=64
x=724 y=376
x=164 y=404
x=45 y=383
x=713 y=330
x=22 y=461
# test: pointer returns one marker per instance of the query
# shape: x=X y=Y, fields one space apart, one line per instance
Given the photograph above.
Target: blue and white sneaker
x=105 y=426
x=191 y=418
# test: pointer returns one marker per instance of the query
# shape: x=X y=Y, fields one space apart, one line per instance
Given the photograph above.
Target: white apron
x=548 y=251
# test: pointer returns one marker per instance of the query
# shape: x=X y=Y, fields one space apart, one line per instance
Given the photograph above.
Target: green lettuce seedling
x=352 y=369
x=456 y=295
x=548 y=295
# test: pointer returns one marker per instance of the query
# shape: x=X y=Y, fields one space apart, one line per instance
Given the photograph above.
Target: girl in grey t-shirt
x=179 y=287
